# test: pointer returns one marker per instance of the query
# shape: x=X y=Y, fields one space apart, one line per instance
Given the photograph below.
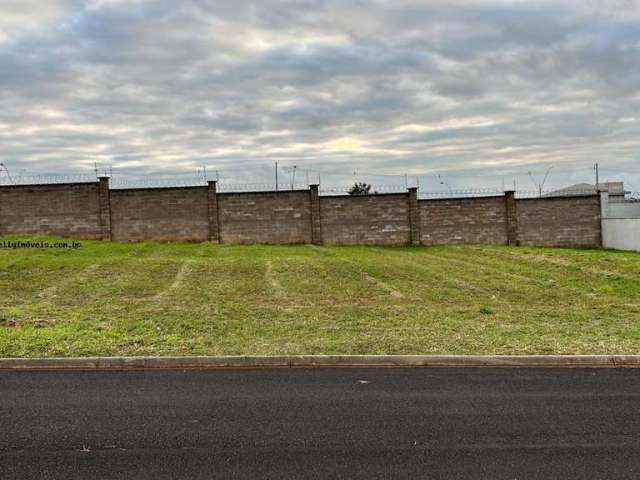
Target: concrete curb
x=124 y=363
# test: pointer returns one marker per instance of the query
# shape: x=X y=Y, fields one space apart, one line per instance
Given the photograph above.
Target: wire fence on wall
x=430 y=186
x=45 y=179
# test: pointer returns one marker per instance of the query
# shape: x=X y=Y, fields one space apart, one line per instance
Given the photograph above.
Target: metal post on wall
x=4 y=168
x=293 y=177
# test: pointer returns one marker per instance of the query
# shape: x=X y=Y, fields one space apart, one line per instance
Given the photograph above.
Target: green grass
x=201 y=299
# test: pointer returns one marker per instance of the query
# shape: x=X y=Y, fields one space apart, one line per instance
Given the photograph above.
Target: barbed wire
x=459 y=193
x=258 y=187
x=344 y=171
x=342 y=189
x=519 y=193
x=563 y=192
x=124 y=183
x=46 y=179
x=628 y=197
x=122 y=180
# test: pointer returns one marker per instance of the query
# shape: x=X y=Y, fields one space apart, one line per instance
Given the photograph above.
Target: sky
x=456 y=92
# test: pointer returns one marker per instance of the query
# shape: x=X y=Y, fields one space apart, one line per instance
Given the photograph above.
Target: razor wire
x=44 y=179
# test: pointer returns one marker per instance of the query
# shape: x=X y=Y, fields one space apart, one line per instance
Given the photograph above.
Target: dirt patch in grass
x=385 y=286
x=182 y=272
x=8 y=322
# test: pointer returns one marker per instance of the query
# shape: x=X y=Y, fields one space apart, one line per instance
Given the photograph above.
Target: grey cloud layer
x=389 y=86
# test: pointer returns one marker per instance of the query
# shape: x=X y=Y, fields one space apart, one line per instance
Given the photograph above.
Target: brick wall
x=365 y=220
x=559 y=222
x=265 y=217
x=316 y=224
x=67 y=210
x=93 y=211
x=512 y=217
x=465 y=220
x=160 y=214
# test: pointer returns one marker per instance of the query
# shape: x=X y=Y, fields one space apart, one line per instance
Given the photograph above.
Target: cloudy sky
x=467 y=89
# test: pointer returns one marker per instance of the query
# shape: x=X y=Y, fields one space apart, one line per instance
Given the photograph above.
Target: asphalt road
x=325 y=423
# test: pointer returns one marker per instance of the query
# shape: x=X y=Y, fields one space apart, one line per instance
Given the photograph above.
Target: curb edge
x=203 y=362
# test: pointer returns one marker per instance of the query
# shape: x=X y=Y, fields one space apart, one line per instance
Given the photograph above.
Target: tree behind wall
x=360 y=188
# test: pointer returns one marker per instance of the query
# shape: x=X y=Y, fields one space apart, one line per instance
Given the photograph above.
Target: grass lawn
x=201 y=299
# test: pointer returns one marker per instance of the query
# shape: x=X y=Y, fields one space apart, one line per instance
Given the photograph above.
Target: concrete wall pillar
x=512 y=217
x=212 y=210
x=105 y=208
x=604 y=204
x=316 y=225
x=604 y=214
x=414 y=215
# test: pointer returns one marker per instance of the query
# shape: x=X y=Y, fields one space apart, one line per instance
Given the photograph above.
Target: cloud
x=28 y=17
x=388 y=87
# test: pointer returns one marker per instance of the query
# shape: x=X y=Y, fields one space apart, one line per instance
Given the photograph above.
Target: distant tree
x=360 y=188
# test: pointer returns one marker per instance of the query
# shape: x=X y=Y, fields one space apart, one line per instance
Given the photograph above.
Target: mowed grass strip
x=109 y=298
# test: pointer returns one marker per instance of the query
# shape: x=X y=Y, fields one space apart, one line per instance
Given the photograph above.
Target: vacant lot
x=178 y=299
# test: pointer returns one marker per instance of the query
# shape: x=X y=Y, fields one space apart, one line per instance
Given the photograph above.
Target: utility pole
x=276 y=176
x=597 y=176
x=293 y=176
